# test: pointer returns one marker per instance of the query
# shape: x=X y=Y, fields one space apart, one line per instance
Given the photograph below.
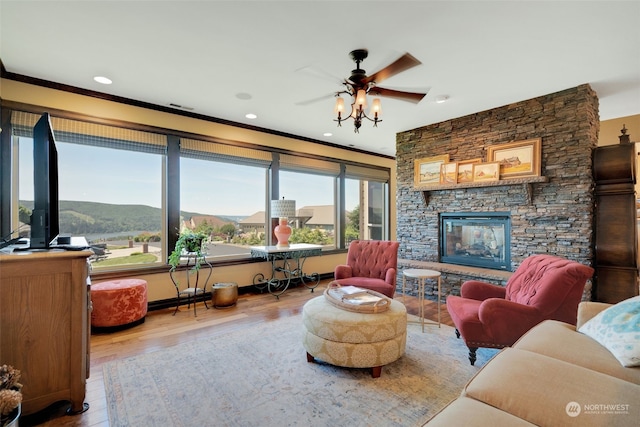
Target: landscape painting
x=517 y=159
x=426 y=171
x=449 y=173
x=465 y=170
x=486 y=172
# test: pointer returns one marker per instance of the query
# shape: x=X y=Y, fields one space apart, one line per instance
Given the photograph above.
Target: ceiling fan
x=359 y=85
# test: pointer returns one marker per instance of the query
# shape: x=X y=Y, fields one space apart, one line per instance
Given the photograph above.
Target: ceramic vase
x=282 y=232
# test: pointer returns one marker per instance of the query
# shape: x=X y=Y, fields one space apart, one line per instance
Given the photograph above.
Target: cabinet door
x=616 y=236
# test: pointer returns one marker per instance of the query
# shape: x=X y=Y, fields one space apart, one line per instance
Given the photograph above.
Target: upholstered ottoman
x=354 y=340
x=118 y=302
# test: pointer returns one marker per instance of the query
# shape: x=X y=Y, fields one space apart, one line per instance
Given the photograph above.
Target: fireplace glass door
x=476 y=239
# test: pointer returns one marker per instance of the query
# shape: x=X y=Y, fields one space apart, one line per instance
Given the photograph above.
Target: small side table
x=421 y=275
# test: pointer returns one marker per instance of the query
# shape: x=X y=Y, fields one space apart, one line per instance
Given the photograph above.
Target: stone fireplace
x=553 y=214
x=478 y=239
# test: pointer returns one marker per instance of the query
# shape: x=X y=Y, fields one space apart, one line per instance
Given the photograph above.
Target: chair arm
x=480 y=291
x=506 y=321
x=588 y=309
x=390 y=276
x=343 y=272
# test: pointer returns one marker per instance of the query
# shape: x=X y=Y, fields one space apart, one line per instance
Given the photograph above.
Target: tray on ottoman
x=353 y=298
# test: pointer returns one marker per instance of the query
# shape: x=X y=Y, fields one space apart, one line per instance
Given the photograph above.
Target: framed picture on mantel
x=465 y=170
x=483 y=172
x=517 y=159
x=426 y=171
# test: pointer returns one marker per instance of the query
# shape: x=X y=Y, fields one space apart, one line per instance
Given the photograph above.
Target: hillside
x=83 y=218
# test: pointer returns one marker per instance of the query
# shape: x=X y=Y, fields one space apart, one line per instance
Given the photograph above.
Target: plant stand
x=194 y=286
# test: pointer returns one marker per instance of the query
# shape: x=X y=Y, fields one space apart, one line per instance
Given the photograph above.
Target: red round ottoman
x=118 y=302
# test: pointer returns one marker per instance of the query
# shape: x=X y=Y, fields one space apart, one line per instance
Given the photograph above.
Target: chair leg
x=472 y=355
x=457 y=333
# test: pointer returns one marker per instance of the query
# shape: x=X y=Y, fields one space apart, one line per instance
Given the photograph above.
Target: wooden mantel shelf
x=524 y=182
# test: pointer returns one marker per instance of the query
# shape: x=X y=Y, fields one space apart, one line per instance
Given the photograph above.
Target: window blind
x=367 y=174
x=205 y=150
x=308 y=165
x=85 y=133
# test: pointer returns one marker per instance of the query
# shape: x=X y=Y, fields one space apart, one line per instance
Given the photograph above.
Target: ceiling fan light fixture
x=376 y=108
x=359 y=85
x=361 y=99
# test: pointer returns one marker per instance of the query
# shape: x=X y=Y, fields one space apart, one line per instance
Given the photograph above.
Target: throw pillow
x=618 y=329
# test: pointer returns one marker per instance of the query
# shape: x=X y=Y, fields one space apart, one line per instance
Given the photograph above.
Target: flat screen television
x=45 y=214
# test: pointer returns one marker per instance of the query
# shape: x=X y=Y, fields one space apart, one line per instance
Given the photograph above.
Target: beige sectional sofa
x=553 y=376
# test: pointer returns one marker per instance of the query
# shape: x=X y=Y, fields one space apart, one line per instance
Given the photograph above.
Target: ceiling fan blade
x=397 y=94
x=314 y=100
x=401 y=64
x=318 y=73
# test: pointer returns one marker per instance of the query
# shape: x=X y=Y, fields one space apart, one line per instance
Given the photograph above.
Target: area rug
x=260 y=377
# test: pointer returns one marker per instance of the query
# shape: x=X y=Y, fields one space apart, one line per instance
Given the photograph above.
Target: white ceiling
x=202 y=55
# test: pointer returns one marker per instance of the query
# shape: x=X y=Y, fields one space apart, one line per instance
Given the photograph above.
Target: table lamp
x=283 y=209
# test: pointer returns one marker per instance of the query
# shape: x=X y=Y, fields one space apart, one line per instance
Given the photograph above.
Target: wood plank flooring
x=161 y=330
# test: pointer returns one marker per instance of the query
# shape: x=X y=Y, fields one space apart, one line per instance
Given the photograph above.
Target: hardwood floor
x=161 y=330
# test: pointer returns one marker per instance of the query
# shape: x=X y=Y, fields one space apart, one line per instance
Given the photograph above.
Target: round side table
x=421 y=275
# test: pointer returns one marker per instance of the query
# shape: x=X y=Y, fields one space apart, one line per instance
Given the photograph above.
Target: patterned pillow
x=618 y=329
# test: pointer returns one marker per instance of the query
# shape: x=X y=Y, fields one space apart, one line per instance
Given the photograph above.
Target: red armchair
x=543 y=287
x=371 y=264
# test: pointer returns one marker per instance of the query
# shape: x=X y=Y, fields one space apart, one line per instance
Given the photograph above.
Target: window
x=311 y=183
x=366 y=204
x=113 y=183
x=315 y=207
x=223 y=192
x=110 y=188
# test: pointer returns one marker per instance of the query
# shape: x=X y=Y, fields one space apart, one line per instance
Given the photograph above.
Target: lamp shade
x=283 y=208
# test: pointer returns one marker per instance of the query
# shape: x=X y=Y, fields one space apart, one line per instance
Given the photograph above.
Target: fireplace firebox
x=478 y=239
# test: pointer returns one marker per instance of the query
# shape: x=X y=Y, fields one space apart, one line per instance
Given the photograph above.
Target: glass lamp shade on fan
x=283 y=209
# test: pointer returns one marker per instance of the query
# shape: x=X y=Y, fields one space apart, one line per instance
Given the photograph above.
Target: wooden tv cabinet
x=45 y=305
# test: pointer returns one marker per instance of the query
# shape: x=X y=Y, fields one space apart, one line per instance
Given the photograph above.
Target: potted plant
x=189 y=243
x=10 y=396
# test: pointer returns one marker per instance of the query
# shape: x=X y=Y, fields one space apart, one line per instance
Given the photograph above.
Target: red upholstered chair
x=543 y=287
x=371 y=264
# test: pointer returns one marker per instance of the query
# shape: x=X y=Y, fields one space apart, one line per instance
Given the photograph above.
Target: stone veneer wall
x=560 y=218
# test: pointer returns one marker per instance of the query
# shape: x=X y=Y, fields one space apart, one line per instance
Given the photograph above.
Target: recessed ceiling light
x=251 y=116
x=442 y=98
x=103 y=80
x=327 y=134
x=243 y=95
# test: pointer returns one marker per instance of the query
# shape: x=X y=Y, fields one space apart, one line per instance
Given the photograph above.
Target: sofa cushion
x=469 y=412
x=587 y=310
x=561 y=341
x=551 y=392
x=618 y=329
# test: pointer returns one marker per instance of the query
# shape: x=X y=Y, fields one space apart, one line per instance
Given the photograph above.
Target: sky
x=105 y=175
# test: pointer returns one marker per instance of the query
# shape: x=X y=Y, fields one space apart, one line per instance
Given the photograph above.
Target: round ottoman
x=118 y=302
x=354 y=340
x=224 y=295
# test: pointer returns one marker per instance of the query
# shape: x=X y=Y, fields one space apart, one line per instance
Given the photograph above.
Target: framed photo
x=517 y=159
x=483 y=172
x=427 y=171
x=465 y=170
x=449 y=173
